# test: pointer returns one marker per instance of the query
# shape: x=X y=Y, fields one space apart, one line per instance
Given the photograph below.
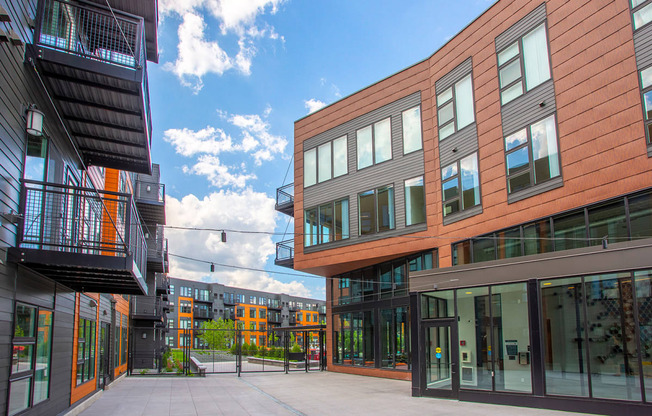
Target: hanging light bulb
x=224 y=236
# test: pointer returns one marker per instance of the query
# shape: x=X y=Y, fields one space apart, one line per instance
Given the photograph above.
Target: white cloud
x=245 y=210
x=218 y=174
x=313 y=105
x=198 y=56
x=206 y=144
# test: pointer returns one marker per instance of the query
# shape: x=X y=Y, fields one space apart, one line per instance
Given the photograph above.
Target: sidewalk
x=283 y=394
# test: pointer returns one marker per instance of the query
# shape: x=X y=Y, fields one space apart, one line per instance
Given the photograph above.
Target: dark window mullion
x=521 y=54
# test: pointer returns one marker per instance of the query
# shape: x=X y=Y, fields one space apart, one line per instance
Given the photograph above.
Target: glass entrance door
x=441 y=360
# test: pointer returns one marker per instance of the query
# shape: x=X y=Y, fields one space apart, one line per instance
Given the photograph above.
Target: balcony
x=150 y=197
x=162 y=283
x=285 y=254
x=285 y=199
x=274 y=318
x=87 y=240
x=156 y=249
x=93 y=62
x=201 y=314
x=146 y=308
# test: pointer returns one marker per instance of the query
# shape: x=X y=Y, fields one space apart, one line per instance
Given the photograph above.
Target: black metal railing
x=92 y=31
x=201 y=313
x=285 y=250
x=155 y=243
x=162 y=283
x=146 y=306
x=285 y=195
x=72 y=219
x=150 y=191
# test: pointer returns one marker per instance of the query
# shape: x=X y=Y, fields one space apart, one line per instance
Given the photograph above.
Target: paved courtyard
x=280 y=394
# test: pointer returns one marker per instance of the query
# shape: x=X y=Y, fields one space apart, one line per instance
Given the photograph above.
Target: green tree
x=218 y=335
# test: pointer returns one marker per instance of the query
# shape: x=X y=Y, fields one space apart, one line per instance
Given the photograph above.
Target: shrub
x=253 y=349
x=296 y=348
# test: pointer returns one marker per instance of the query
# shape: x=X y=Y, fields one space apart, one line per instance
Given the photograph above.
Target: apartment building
x=485 y=215
x=255 y=312
x=75 y=129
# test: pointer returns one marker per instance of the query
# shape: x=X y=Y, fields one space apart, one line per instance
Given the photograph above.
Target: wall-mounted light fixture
x=34 y=121
x=144 y=335
x=149 y=188
x=92 y=303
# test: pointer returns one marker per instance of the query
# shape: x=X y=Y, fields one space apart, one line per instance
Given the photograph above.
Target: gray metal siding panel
x=465 y=141
x=455 y=75
x=536 y=190
x=462 y=215
x=529 y=22
x=526 y=109
x=643 y=47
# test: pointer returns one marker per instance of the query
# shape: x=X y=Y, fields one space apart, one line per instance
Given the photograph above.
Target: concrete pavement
x=300 y=393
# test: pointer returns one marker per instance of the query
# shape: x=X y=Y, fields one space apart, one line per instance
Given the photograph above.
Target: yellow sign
x=437 y=350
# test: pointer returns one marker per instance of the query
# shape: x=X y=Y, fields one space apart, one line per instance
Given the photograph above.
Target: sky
x=233 y=77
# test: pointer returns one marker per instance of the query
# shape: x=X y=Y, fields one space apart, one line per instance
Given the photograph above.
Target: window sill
x=459 y=216
x=536 y=189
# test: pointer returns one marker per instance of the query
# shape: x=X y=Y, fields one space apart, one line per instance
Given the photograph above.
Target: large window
x=123 y=340
x=614 y=221
x=185 y=306
x=85 y=350
x=524 y=64
x=354 y=339
x=411 y=129
x=185 y=291
x=531 y=155
x=325 y=162
x=376 y=210
x=455 y=107
x=326 y=223
x=642 y=13
x=29 y=380
x=461 y=185
x=395 y=338
x=374 y=143
x=415 y=201
x=393 y=280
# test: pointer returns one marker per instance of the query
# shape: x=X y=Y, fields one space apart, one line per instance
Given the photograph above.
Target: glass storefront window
x=643 y=283
x=608 y=220
x=438 y=304
x=475 y=338
x=564 y=321
x=612 y=345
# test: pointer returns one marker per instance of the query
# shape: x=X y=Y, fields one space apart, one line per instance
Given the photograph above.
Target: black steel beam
x=98 y=106
x=103 y=124
x=73 y=80
x=108 y=140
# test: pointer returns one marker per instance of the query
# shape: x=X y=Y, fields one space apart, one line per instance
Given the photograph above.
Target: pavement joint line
x=287 y=406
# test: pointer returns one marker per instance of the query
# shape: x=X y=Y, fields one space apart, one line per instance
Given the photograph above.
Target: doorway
x=441 y=359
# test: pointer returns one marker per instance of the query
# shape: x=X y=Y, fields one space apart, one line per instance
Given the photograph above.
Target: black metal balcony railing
x=162 y=283
x=150 y=191
x=201 y=314
x=93 y=60
x=147 y=307
x=285 y=253
x=97 y=234
x=156 y=249
x=285 y=199
x=150 y=199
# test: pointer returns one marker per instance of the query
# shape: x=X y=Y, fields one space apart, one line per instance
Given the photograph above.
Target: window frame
x=346 y=234
x=635 y=9
x=376 y=192
x=528 y=144
x=405 y=201
x=331 y=148
x=403 y=112
x=453 y=101
x=646 y=90
x=372 y=126
x=520 y=55
x=460 y=193
x=31 y=341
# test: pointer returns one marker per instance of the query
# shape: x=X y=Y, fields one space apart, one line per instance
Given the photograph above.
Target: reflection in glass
x=19 y=394
x=508 y=53
x=382 y=141
x=415 y=202
x=536 y=238
x=512 y=338
x=643 y=281
x=508 y=243
x=326 y=223
x=324 y=154
x=368 y=338
x=43 y=352
x=470 y=181
x=444 y=96
x=474 y=329
x=367 y=210
x=510 y=73
x=337 y=339
x=438 y=358
x=309 y=167
x=385 y=281
x=438 y=304
x=364 y=147
x=462 y=253
x=544 y=149
x=612 y=342
x=640 y=215
x=310 y=228
x=484 y=249
x=643 y=16
x=464 y=102
x=340 y=159
x=411 y=129
x=570 y=231
x=535 y=57
x=342 y=219
x=25 y=319
x=385 y=212
x=564 y=338
x=386 y=338
x=608 y=220
x=21 y=359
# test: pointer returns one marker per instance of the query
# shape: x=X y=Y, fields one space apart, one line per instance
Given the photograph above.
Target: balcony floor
x=84 y=272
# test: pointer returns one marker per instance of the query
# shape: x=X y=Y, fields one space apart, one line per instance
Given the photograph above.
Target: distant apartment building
x=254 y=312
x=484 y=216
x=75 y=131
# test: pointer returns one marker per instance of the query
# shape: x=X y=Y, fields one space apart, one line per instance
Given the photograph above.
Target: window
x=415 y=201
x=531 y=155
x=455 y=107
x=185 y=306
x=424 y=261
x=308 y=316
x=411 y=129
x=240 y=312
x=646 y=86
x=185 y=291
x=29 y=380
x=202 y=295
x=529 y=56
x=170 y=323
x=393 y=281
x=461 y=185
x=299 y=316
x=326 y=223
x=85 y=350
x=123 y=340
x=642 y=13
x=374 y=143
x=252 y=312
x=171 y=289
x=262 y=326
x=353 y=335
x=252 y=326
x=395 y=338
x=325 y=162
x=376 y=210
x=184 y=323
x=262 y=313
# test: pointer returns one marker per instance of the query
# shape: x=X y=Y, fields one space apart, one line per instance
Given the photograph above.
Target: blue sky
x=233 y=77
